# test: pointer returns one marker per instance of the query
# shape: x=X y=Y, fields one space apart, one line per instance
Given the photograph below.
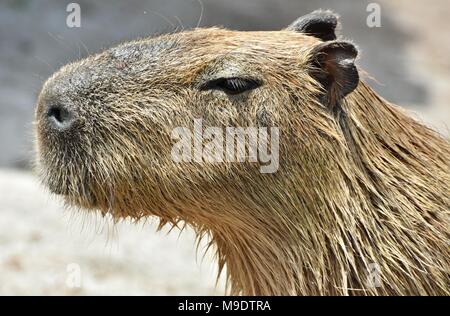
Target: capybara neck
x=377 y=197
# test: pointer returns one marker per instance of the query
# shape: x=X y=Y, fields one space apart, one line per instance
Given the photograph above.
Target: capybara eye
x=232 y=86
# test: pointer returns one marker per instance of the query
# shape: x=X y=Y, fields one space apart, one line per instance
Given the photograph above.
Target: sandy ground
x=46 y=250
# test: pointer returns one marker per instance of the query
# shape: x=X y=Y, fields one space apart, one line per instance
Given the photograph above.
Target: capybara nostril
x=60 y=117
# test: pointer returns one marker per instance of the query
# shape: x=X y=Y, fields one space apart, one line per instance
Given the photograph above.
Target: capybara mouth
x=58 y=190
x=85 y=199
x=75 y=191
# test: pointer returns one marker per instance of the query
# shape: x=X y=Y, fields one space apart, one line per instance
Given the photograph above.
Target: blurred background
x=45 y=249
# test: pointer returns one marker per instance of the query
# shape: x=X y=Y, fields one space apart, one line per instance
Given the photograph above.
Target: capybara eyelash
x=232 y=86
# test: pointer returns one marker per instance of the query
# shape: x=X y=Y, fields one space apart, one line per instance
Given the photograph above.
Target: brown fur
x=366 y=185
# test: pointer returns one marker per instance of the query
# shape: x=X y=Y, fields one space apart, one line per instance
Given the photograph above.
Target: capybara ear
x=333 y=66
x=319 y=23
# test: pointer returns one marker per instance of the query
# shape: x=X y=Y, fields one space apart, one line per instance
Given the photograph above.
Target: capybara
x=358 y=205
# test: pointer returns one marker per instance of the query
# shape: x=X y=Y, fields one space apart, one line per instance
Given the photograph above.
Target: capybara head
x=106 y=124
x=336 y=181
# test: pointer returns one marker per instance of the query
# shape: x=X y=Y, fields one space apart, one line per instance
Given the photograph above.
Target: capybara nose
x=60 y=117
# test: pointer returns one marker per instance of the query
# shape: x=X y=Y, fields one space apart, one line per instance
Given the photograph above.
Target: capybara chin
x=358 y=206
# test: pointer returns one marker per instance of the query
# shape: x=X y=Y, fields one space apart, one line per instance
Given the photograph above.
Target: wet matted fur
x=359 y=182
